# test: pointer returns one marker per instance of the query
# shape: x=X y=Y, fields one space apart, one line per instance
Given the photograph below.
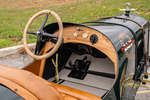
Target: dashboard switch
x=94 y=38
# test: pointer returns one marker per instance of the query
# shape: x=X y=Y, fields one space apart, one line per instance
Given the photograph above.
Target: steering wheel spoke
x=42 y=26
x=49 y=35
x=38 y=44
x=34 y=32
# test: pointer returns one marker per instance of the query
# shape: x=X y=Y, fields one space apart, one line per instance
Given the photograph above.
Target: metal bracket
x=142 y=85
x=129 y=82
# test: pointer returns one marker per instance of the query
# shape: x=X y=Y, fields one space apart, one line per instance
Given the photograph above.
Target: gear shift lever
x=76 y=65
x=79 y=68
x=71 y=65
x=84 y=60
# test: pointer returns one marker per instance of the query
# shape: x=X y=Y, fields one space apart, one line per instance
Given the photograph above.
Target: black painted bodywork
x=7 y=94
x=120 y=32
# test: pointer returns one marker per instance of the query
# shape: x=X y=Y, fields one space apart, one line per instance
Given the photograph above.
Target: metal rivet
x=68 y=37
x=38 y=32
x=16 y=89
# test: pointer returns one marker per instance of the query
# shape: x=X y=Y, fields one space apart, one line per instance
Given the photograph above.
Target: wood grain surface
x=104 y=44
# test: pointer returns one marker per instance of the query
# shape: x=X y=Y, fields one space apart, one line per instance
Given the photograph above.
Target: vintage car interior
x=80 y=63
x=94 y=60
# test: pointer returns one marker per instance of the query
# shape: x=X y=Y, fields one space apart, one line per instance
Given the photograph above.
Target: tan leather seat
x=40 y=88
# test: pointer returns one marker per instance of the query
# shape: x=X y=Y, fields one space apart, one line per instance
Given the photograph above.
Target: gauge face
x=85 y=35
x=75 y=34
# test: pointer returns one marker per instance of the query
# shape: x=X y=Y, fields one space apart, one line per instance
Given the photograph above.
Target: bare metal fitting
x=79 y=29
x=127 y=6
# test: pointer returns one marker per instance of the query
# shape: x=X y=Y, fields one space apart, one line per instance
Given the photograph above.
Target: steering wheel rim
x=40 y=57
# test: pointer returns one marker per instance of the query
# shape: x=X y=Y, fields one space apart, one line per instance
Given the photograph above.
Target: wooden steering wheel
x=41 y=33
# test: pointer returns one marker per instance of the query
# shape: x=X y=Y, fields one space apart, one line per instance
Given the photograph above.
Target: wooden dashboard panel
x=103 y=44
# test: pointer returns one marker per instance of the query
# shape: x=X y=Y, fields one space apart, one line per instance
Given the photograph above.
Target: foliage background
x=14 y=14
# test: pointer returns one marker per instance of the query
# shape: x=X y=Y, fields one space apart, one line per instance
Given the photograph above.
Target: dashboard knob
x=94 y=38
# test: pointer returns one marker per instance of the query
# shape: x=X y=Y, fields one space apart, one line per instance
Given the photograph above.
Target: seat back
x=37 y=86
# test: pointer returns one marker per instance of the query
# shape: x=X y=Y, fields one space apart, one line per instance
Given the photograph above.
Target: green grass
x=13 y=20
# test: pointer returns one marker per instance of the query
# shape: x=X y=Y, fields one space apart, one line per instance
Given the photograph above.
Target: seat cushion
x=42 y=89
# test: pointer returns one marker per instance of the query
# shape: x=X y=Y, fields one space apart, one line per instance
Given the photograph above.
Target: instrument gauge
x=84 y=35
x=75 y=34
